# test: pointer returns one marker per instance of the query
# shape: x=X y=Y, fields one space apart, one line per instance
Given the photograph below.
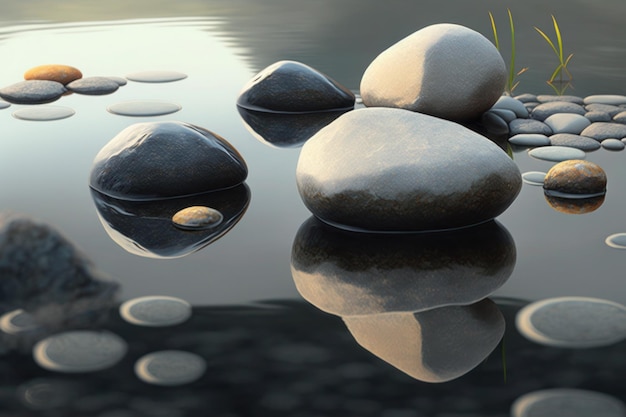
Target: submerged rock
x=63 y=74
x=293 y=87
x=150 y=161
x=33 y=92
x=394 y=170
x=443 y=70
x=578 y=177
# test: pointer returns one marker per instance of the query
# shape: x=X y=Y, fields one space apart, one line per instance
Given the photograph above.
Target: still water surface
x=44 y=166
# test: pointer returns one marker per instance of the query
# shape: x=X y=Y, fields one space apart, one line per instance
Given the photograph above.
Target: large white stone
x=445 y=70
x=394 y=170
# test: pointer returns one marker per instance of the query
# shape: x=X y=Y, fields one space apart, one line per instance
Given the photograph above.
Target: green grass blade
x=512 y=66
x=559 y=40
x=556 y=72
x=495 y=31
x=547 y=40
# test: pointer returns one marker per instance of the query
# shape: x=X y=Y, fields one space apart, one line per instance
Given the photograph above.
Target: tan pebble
x=576 y=177
x=63 y=74
x=197 y=217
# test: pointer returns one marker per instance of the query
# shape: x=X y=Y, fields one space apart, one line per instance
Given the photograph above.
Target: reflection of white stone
x=170 y=367
x=573 y=322
x=17 y=321
x=567 y=402
x=79 y=351
x=444 y=70
x=432 y=346
x=155 y=311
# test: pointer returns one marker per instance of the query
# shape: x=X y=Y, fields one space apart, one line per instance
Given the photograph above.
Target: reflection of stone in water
x=351 y=273
x=17 y=321
x=432 y=346
x=575 y=205
x=145 y=228
x=156 y=76
x=170 y=368
x=573 y=322
x=44 y=113
x=143 y=108
x=284 y=130
x=155 y=311
x=47 y=393
x=617 y=241
x=197 y=218
x=567 y=402
x=79 y=351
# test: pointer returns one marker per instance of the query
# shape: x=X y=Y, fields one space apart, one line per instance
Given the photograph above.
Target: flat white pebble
x=556 y=153
x=613 y=144
x=170 y=368
x=156 y=76
x=44 y=113
x=155 y=311
x=143 y=108
x=533 y=177
x=568 y=402
x=529 y=139
x=612 y=99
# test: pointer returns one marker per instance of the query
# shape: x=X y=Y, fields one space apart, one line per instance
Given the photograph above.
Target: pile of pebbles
x=584 y=123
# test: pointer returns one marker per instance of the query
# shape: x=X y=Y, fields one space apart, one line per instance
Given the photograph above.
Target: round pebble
x=529 y=139
x=546 y=98
x=79 y=351
x=556 y=153
x=568 y=402
x=63 y=74
x=605 y=108
x=17 y=321
x=612 y=99
x=533 y=177
x=512 y=104
x=4 y=104
x=603 y=130
x=526 y=98
x=573 y=322
x=33 y=92
x=156 y=76
x=140 y=108
x=155 y=311
x=577 y=178
x=617 y=241
x=44 y=113
x=613 y=144
x=94 y=86
x=544 y=110
x=197 y=218
x=529 y=126
x=495 y=124
x=170 y=368
x=597 y=116
x=567 y=123
x=574 y=141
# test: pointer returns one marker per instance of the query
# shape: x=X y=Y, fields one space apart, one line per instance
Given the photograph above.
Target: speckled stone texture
x=396 y=170
x=444 y=70
x=576 y=177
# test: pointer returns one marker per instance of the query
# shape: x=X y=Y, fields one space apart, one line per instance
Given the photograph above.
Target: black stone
x=292 y=87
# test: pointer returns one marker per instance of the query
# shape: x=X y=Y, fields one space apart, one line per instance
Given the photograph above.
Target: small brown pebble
x=63 y=74
x=197 y=218
x=576 y=176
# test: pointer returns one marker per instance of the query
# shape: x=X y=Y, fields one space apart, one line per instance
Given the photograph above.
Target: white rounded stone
x=170 y=368
x=567 y=123
x=155 y=311
x=445 y=70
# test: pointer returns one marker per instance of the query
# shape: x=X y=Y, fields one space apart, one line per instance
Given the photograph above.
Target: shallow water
x=44 y=170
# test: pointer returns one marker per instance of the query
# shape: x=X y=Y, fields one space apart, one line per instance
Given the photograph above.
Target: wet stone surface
x=576 y=177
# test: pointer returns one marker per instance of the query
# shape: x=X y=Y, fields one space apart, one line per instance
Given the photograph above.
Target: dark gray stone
x=606 y=108
x=33 y=92
x=94 y=86
x=526 y=98
x=574 y=141
x=612 y=144
x=620 y=117
x=390 y=169
x=150 y=161
x=598 y=116
x=532 y=126
x=545 y=110
x=495 y=124
x=602 y=130
x=506 y=114
x=514 y=105
x=292 y=87
x=547 y=98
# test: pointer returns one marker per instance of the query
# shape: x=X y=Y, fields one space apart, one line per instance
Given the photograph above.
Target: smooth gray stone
x=611 y=99
x=544 y=110
x=494 y=123
x=606 y=108
x=620 y=117
x=518 y=126
x=526 y=98
x=155 y=311
x=567 y=123
x=388 y=169
x=351 y=273
x=530 y=106
x=512 y=104
x=568 y=402
x=556 y=153
x=598 y=116
x=293 y=87
x=422 y=73
x=170 y=368
x=573 y=322
x=93 y=86
x=42 y=267
x=574 y=141
x=151 y=161
x=529 y=139
x=547 y=98
x=613 y=144
x=4 y=104
x=33 y=92
x=506 y=114
x=534 y=177
x=602 y=130
x=432 y=346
